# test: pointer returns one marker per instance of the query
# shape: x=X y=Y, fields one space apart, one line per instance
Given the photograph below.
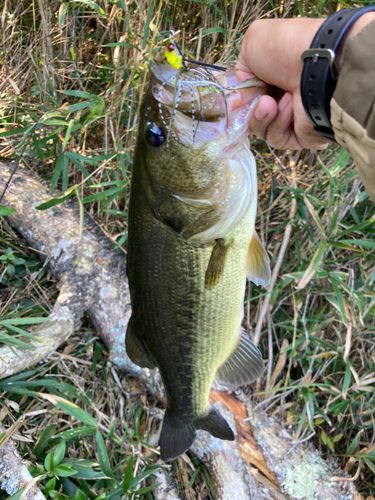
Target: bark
x=263 y=462
x=13 y=472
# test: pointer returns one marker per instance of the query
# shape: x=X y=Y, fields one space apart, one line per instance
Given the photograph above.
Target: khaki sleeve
x=353 y=105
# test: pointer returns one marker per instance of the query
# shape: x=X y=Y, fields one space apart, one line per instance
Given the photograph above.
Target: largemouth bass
x=191 y=244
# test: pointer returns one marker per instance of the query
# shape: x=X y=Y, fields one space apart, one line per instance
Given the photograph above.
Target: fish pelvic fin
x=216 y=263
x=176 y=437
x=215 y=424
x=258 y=264
x=134 y=346
x=243 y=366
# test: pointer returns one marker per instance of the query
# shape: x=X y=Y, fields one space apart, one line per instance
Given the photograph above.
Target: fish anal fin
x=135 y=348
x=216 y=263
x=215 y=424
x=243 y=366
x=176 y=437
x=258 y=264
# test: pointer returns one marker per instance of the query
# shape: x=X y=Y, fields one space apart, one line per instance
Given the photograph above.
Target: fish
x=192 y=242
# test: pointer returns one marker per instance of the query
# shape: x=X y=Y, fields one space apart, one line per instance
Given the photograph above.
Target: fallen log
x=262 y=463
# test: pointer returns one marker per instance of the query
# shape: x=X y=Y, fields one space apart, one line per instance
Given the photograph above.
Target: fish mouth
x=198 y=103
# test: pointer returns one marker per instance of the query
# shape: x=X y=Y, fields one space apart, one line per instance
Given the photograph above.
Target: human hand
x=271 y=49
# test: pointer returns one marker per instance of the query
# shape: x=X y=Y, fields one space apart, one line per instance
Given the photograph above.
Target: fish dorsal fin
x=216 y=263
x=258 y=264
x=134 y=347
x=243 y=366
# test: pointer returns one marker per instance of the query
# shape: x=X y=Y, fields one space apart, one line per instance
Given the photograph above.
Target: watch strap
x=319 y=74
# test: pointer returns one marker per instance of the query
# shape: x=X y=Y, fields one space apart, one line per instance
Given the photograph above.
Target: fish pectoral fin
x=176 y=437
x=215 y=424
x=135 y=348
x=258 y=264
x=243 y=366
x=216 y=263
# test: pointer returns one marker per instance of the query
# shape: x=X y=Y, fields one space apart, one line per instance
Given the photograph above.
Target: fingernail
x=285 y=100
x=260 y=113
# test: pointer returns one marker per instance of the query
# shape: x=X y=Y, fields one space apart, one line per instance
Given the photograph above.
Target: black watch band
x=319 y=75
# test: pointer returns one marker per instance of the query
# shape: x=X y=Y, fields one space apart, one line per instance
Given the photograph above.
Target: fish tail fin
x=176 y=437
x=215 y=424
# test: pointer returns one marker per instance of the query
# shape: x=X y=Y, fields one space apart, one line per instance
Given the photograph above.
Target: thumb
x=242 y=71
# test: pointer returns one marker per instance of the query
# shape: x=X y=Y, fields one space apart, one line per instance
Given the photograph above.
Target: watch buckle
x=315 y=54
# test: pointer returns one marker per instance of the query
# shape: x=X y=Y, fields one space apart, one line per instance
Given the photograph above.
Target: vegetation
x=72 y=74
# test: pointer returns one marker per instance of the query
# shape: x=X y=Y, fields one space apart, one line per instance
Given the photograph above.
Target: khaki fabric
x=353 y=105
x=354 y=138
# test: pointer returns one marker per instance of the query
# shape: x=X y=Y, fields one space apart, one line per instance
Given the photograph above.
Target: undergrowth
x=72 y=74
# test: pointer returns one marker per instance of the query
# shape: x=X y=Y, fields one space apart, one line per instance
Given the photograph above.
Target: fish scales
x=191 y=230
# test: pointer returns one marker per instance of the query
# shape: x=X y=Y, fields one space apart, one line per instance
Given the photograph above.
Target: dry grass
x=322 y=308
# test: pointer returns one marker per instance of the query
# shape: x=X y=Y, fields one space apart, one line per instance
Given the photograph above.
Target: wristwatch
x=319 y=73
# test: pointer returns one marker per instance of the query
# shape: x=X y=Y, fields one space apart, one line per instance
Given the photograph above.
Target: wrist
x=320 y=64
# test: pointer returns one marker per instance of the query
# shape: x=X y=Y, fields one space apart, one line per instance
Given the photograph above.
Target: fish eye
x=170 y=47
x=155 y=135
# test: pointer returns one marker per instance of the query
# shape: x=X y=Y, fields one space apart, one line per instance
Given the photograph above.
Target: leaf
x=64 y=471
x=347 y=379
x=362 y=243
x=86 y=430
x=62 y=12
x=93 y=6
x=59 y=453
x=52 y=202
x=84 y=469
x=6 y=211
x=50 y=485
x=102 y=195
x=61 y=162
x=102 y=455
x=48 y=461
x=70 y=408
x=147 y=25
x=313 y=266
x=122 y=44
x=216 y=29
x=128 y=475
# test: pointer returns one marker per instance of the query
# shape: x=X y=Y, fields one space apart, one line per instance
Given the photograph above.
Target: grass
x=71 y=75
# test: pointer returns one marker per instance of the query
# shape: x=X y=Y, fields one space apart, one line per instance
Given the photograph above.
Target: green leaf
x=62 y=12
x=24 y=321
x=48 y=462
x=138 y=479
x=59 y=454
x=128 y=475
x=84 y=469
x=93 y=6
x=64 y=471
x=147 y=25
x=102 y=455
x=61 y=163
x=347 y=379
x=50 y=485
x=102 y=195
x=216 y=29
x=362 y=243
x=86 y=430
x=354 y=443
x=6 y=211
x=142 y=491
x=76 y=412
x=52 y=202
x=122 y=44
